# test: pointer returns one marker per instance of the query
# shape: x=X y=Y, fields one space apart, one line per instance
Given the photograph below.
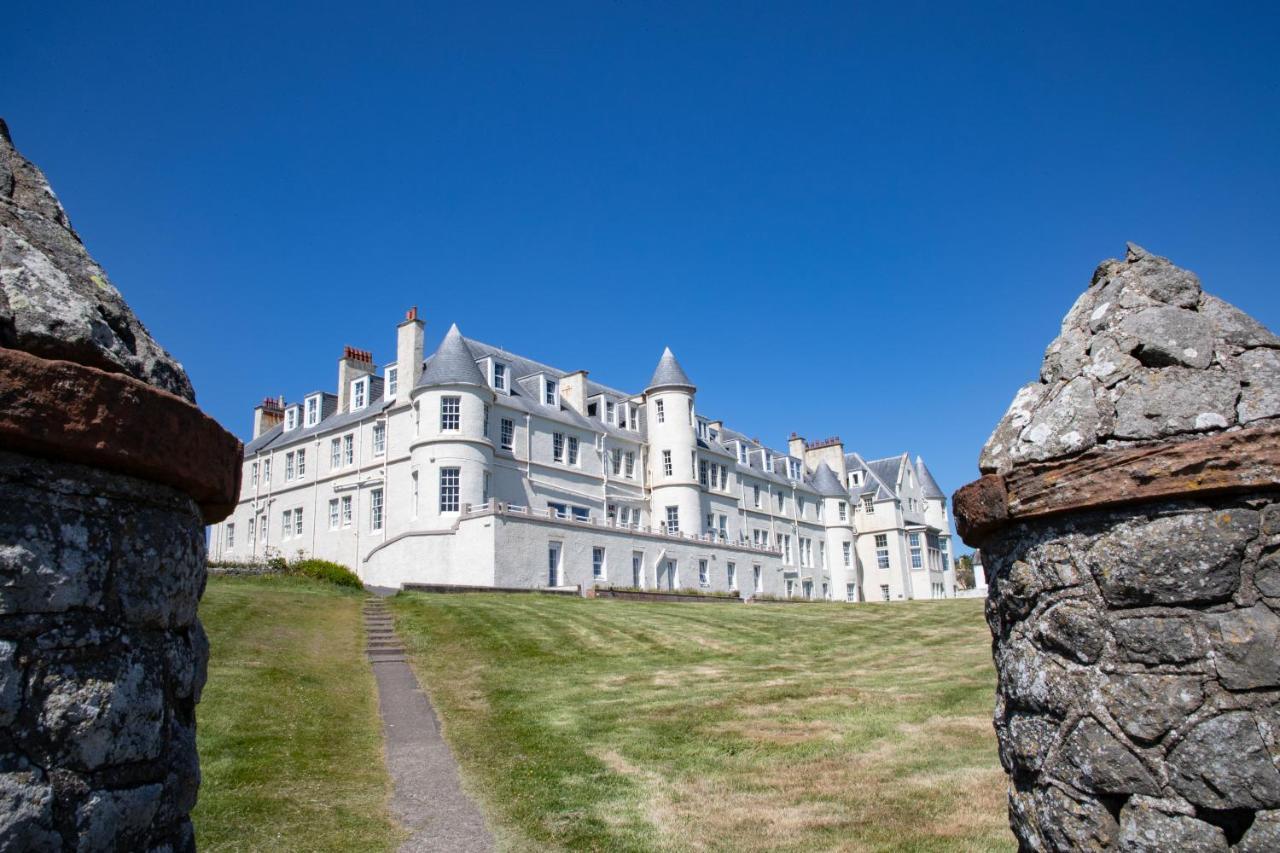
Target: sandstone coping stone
x=1129 y=517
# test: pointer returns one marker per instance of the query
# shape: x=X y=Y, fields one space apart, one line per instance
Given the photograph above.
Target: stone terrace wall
x=1135 y=573
x=108 y=474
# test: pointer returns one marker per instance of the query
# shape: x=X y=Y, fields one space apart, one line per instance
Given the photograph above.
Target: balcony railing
x=494 y=507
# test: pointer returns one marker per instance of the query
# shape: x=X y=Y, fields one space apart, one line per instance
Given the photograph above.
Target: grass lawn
x=616 y=725
x=288 y=730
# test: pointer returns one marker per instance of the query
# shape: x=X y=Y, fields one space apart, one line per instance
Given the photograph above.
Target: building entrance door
x=553 y=564
x=637 y=570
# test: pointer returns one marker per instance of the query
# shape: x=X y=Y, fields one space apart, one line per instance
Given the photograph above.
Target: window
x=486 y=493
x=558 y=510
x=822 y=555
x=868 y=504
x=724 y=528
x=731 y=570
x=782 y=501
x=253 y=475
x=807 y=589
x=392 y=379
x=610 y=412
x=704 y=576
x=379 y=439
x=288 y=467
x=450 y=412
x=360 y=393
x=622 y=415
x=786 y=547
x=806 y=551
x=673 y=519
x=348 y=449
x=346 y=510
x=499 y=376
x=507 y=439
x=662 y=415
x=286 y=524
x=616 y=461
x=251 y=532
x=573 y=450
x=851 y=592
x=794 y=468
x=417 y=417
x=847 y=553
x=844 y=510
x=302 y=463
x=264 y=526
x=553 y=564
x=290 y=418
x=557 y=447
x=631 y=465
x=266 y=472
x=413 y=480
x=486 y=420
x=597 y=563
x=231 y=536
x=882 y=550
x=791 y=588
x=913 y=541
x=742 y=453
x=549 y=392
x=800 y=505
x=702 y=473
x=637 y=569
x=724 y=478
x=884 y=592
x=755 y=496
x=666 y=463
x=449 y=488
x=333 y=514
x=581 y=513
x=297 y=522
x=313 y=411
x=757 y=579
x=375 y=510
x=335 y=453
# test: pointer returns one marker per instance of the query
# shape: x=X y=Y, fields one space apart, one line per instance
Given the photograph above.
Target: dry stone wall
x=108 y=474
x=1137 y=644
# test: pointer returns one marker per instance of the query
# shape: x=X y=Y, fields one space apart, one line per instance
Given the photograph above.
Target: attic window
x=742 y=453
x=793 y=466
x=313 y=410
x=610 y=411
x=551 y=392
x=290 y=418
x=392 y=379
x=499 y=376
x=360 y=393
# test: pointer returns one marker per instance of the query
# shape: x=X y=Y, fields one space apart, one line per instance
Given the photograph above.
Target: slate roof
x=668 y=373
x=928 y=486
x=452 y=363
x=826 y=483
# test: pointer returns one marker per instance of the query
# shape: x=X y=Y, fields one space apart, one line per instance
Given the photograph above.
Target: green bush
x=323 y=570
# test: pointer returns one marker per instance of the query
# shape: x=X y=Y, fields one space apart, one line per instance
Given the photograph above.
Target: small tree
x=964 y=571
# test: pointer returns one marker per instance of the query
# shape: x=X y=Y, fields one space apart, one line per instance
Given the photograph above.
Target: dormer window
x=742 y=453
x=794 y=468
x=499 y=376
x=391 y=378
x=610 y=412
x=622 y=415
x=360 y=393
x=290 y=418
x=551 y=392
x=766 y=460
x=702 y=430
x=312 y=416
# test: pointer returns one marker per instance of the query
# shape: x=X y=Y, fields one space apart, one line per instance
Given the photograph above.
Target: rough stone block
x=1095 y=760
x=51 y=559
x=109 y=820
x=1223 y=764
x=1157 y=640
x=1164 y=336
x=1162 y=402
x=1191 y=557
x=1144 y=829
x=26 y=814
x=1073 y=629
x=1263 y=836
x=1259 y=373
x=1049 y=819
x=1147 y=706
x=1246 y=647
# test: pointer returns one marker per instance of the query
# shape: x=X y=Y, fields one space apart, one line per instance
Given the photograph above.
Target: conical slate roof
x=928 y=485
x=668 y=372
x=452 y=363
x=826 y=483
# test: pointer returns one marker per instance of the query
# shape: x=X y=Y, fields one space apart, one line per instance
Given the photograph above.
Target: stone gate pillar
x=1129 y=518
x=108 y=474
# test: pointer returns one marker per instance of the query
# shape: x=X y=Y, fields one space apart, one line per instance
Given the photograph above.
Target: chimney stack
x=354 y=364
x=795 y=446
x=573 y=391
x=267 y=414
x=409 y=352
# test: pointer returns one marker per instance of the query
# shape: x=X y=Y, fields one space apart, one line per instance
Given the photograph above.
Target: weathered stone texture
x=102 y=658
x=1129 y=519
x=55 y=301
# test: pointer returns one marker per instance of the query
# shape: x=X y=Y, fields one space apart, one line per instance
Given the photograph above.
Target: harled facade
x=476 y=466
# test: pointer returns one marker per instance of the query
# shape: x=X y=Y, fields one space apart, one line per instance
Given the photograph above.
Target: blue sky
x=845 y=219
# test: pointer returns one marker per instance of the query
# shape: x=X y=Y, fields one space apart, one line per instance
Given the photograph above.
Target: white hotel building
x=479 y=467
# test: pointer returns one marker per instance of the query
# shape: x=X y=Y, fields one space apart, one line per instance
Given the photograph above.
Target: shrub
x=323 y=570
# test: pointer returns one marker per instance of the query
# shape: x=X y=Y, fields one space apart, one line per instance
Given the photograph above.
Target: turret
x=837 y=517
x=452 y=456
x=673 y=444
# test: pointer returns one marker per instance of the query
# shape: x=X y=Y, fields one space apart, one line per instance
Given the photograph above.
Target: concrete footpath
x=428 y=798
